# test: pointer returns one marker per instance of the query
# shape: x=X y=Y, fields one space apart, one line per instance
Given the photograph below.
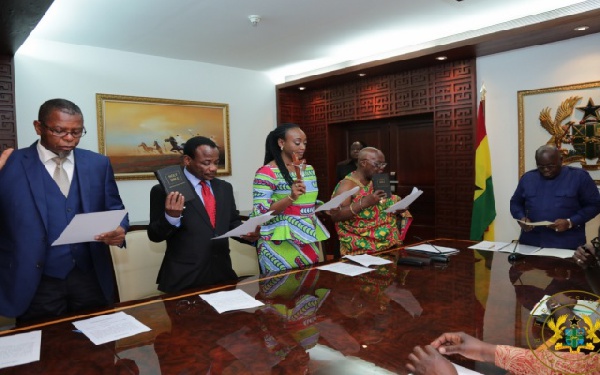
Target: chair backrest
x=243 y=258
x=136 y=266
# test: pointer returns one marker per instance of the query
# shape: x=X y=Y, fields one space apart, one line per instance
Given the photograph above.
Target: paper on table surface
x=465 y=371
x=84 y=227
x=520 y=248
x=428 y=248
x=20 y=349
x=248 y=226
x=105 y=328
x=337 y=200
x=367 y=260
x=554 y=252
x=406 y=201
x=489 y=245
x=231 y=300
x=346 y=269
x=462 y=370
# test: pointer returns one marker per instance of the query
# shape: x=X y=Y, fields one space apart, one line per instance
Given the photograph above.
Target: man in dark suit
x=38 y=280
x=349 y=165
x=193 y=258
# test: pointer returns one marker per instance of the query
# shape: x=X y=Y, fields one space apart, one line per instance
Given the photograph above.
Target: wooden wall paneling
x=455 y=103
x=8 y=123
x=343 y=104
x=374 y=98
x=289 y=107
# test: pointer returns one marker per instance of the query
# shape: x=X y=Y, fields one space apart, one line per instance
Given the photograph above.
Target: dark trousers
x=55 y=297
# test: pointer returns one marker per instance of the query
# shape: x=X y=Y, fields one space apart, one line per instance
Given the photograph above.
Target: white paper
x=406 y=201
x=490 y=246
x=248 y=226
x=536 y=223
x=427 y=248
x=84 y=227
x=465 y=371
x=520 y=248
x=231 y=300
x=20 y=349
x=106 y=328
x=462 y=370
x=337 y=200
x=554 y=252
x=367 y=260
x=346 y=269
x=584 y=307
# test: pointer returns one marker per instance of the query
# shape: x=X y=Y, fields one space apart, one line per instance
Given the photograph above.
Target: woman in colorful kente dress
x=290 y=239
x=361 y=222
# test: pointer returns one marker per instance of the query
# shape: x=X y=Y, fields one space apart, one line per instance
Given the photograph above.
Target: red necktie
x=209 y=202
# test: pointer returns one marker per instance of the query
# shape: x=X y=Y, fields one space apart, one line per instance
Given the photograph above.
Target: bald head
x=368 y=151
x=371 y=161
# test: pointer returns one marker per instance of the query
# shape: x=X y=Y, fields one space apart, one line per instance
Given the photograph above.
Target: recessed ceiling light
x=441 y=58
x=301 y=88
x=362 y=74
x=581 y=28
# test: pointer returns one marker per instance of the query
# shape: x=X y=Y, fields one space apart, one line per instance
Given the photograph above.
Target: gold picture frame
x=141 y=135
x=564 y=107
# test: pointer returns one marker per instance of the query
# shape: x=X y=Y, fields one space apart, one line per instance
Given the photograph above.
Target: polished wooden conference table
x=320 y=322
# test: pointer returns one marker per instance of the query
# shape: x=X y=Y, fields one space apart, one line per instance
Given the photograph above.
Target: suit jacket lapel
x=82 y=165
x=34 y=176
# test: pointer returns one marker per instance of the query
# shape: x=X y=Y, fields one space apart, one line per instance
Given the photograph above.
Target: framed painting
x=141 y=135
x=564 y=116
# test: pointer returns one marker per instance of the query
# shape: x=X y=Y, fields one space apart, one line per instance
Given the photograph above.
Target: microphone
x=436 y=258
x=514 y=256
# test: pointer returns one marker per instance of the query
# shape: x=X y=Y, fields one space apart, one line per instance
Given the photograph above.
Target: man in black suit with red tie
x=193 y=258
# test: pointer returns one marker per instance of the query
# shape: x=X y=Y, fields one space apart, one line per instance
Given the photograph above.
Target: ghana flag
x=484 y=207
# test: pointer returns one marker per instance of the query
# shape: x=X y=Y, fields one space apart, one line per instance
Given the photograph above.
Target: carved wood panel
x=8 y=130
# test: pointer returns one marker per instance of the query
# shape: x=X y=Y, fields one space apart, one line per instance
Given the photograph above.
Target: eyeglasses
x=550 y=166
x=61 y=133
x=376 y=164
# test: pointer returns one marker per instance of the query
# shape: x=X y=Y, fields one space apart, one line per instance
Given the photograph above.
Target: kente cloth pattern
x=372 y=229
x=289 y=240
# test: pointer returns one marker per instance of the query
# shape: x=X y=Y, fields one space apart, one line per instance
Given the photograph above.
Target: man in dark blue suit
x=38 y=280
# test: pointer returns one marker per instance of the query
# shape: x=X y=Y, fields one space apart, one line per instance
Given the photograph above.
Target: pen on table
x=436 y=258
x=428 y=243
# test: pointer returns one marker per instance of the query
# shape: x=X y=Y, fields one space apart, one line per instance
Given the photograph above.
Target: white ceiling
x=293 y=38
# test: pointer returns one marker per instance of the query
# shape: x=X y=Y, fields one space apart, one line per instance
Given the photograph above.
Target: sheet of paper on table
x=105 y=328
x=20 y=348
x=346 y=269
x=367 y=260
x=231 y=300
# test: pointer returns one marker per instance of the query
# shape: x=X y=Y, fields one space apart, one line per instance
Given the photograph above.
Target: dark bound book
x=381 y=181
x=172 y=179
